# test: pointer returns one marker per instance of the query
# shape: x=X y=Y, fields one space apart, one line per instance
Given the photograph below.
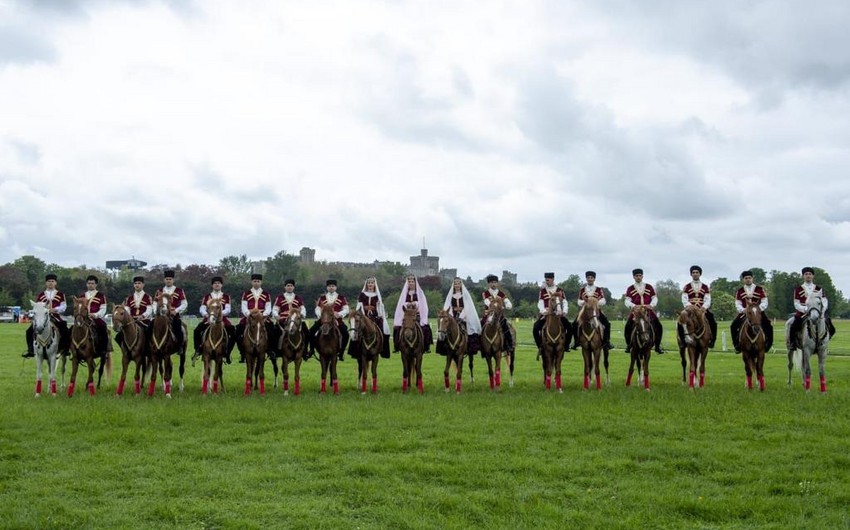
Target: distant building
x=307 y=255
x=448 y=274
x=508 y=278
x=424 y=265
x=132 y=264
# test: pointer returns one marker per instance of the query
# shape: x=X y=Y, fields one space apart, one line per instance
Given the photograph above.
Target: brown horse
x=553 y=339
x=133 y=347
x=328 y=345
x=455 y=339
x=412 y=347
x=590 y=330
x=493 y=342
x=694 y=339
x=371 y=338
x=752 y=340
x=162 y=345
x=640 y=342
x=83 y=347
x=214 y=347
x=255 y=344
x=293 y=348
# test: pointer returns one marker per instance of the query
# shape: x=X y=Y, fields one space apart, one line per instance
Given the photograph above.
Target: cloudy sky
x=521 y=135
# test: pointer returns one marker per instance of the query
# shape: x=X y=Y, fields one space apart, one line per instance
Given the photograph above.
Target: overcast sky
x=528 y=136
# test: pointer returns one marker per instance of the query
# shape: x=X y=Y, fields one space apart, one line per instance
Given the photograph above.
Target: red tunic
x=258 y=302
x=338 y=304
x=177 y=297
x=696 y=297
x=757 y=296
x=137 y=310
x=284 y=306
x=57 y=300
x=96 y=302
x=545 y=296
x=598 y=294
x=644 y=300
x=225 y=300
x=800 y=296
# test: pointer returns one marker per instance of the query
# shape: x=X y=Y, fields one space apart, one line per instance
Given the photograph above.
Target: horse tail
x=798 y=360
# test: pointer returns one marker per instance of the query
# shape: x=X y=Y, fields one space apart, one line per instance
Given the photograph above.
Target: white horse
x=45 y=345
x=815 y=339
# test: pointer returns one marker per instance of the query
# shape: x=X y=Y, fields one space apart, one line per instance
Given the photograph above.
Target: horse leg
x=168 y=370
x=324 y=362
x=471 y=374
x=822 y=369
x=375 y=373
x=62 y=370
x=596 y=357
x=182 y=368
x=702 y=356
x=75 y=365
x=498 y=354
x=459 y=373
x=807 y=369
x=748 y=365
x=261 y=366
x=420 y=383
x=249 y=372
x=334 y=379
x=363 y=374
x=51 y=368
x=490 y=371
x=631 y=368
x=90 y=381
x=104 y=362
x=605 y=353
x=298 y=361
x=559 y=358
x=547 y=369
x=760 y=369
x=405 y=372
x=284 y=366
x=646 y=368
x=273 y=359
x=125 y=364
x=39 y=357
x=446 y=370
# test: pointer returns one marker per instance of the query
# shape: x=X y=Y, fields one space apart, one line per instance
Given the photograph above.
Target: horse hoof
x=511 y=383
x=38 y=395
x=168 y=396
x=286 y=392
x=560 y=390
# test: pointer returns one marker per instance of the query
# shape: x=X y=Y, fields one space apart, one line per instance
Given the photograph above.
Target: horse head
x=643 y=326
x=354 y=323
x=753 y=314
x=81 y=311
x=497 y=308
x=327 y=319
x=118 y=316
x=292 y=324
x=814 y=306
x=214 y=311
x=40 y=315
x=163 y=304
x=443 y=319
x=590 y=312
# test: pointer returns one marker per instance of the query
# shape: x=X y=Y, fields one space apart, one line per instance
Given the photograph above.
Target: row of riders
x=282 y=321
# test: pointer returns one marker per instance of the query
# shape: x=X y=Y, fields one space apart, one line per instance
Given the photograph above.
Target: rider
x=412 y=293
x=593 y=291
x=460 y=305
x=178 y=305
x=643 y=294
x=340 y=307
x=96 y=303
x=54 y=300
x=254 y=298
x=548 y=291
x=370 y=302
x=284 y=304
x=746 y=293
x=801 y=296
x=699 y=294
x=493 y=290
x=140 y=306
x=217 y=283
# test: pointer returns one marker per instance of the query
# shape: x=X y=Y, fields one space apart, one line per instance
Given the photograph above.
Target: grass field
x=721 y=457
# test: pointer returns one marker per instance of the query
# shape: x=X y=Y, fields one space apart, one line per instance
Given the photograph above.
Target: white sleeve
x=226 y=310
x=61 y=307
x=763 y=304
x=508 y=304
x=303 y=311
x=486 y=303
x=182 y=307
x=602 y=301
x=707 y=302
x=628 y=302
x=203 y=310
x=685 y=300
x=148 y=312
x=739 y=305
x=245 y=311
x=318 y=311
x=276 y=312
x=540 y=306
x=344 y=311
x=800 y=307
x=653 y=302
x=268 y=310
x=127 y=309
x=580 y=302
x=101 y=312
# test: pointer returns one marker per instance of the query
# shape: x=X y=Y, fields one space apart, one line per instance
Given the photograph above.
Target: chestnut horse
x=162 y=345
x=293 y=348
x=214 y=347
x=493 y=343
x=590 y=331
x=133 y=347
x=45 y=345
x=752 y=341
x=328 y=345
x=255 y=343
x=694 y=340
x=553 y=338
x=371 y=338
x=640 y=344
x=83 y=346
x=412 y=347
x=450 y=332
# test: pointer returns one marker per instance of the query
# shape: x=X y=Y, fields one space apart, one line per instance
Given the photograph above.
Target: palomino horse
x=752 y=341
x=815 y=340
x=455 y=339
x=371 y=338
x=640 y=345
x=493 y=343
x=133 y=347
x=553 y=338
x=293 y=348
x=590 y=330
x=45 y=345
x=694 y=340
x=83 y=346
x=214 y=347
x=328 y=345
x=255 y=344
x=162 y=345
x=412 y=347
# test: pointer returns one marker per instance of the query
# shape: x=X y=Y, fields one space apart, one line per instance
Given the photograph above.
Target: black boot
x=28 y=353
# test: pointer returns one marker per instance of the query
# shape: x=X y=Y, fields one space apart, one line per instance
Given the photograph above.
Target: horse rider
x=139 y=305
x=284 y=304
x=340 y=308
x=643 y=294
x=460 y=306
x=548 y=291
x=492 y=291
x=412 y=295
x=698 y=294
x=255 y=298
x=801 y=297
x=178 y=305
x=590 y=290
x=370 y=302
x=750 y=292
x=56 y=304
x=217 y=282
x=96 y=304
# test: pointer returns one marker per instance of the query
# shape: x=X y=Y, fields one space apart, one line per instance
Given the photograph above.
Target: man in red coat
x=801 y=297
x=140 y=306
x=698 y=294
x=54 y=300
x=640 y=293
x=96 y=304
x=747 y=293
x=179 y=304
x=341 y=309
x=254 y=298
x=217 y=282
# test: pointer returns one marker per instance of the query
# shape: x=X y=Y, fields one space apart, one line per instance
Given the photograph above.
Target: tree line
x=22 y=279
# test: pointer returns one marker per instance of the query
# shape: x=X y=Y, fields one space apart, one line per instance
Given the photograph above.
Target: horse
x=371 y=337
x=455 y=339
x=640 y=345
x=133 y=347
x=553 y=337
x=83 y=347
x=752 y=340
x=214 y=347
x=45 y=345
x=590 y=330
x=255 y=343
x=815 y=339
x=693 y=341
x=328 y=344
x=162 y=345
x=293 y=348
x=412 y=348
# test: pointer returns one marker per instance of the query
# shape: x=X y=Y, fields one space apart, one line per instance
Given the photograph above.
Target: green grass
x=721 y=457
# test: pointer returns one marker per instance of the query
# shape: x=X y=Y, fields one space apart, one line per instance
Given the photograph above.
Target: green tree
x=571 y=286
x=669 y=298
x=235 y=265
x=280 y=267
x=723 y=306
x=33 y=269
x=780 y=292
x=722 y=285
x=13 y=282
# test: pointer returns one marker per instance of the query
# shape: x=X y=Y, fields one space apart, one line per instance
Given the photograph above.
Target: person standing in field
x=698 y=294
x=750 y=292
x=593 y=291
x=412 y=295
x=54 y=300
x=643 y=294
